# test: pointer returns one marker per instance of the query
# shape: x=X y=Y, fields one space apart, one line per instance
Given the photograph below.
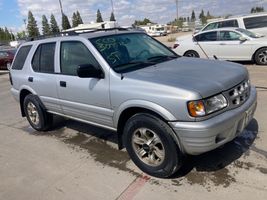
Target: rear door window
x=255 y=22
x=207 y=37
x=21 y=57
x=43 y=59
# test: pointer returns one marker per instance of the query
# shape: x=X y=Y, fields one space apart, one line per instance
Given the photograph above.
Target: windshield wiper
x=135 y=63
x=159 y=57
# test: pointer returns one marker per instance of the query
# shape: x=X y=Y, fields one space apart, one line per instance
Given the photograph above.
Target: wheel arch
x=254 y=54
x=126 y=112
x=25 y=91
x=191 y=50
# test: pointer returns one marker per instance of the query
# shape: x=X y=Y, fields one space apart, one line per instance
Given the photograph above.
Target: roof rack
x=75 y=32
x=81 y=31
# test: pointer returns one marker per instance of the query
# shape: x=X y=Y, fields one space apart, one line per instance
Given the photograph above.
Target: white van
x=256 y=23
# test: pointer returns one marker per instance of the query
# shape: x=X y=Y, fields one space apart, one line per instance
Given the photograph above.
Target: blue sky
x=12 y=12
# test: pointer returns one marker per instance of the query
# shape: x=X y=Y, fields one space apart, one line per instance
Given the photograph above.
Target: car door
x=42 y=77
x=82 y=98
x=232 y=48
x=208 y=43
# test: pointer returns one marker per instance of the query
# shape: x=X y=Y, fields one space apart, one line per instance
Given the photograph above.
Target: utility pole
x=112 y=6
x=61 y=9
x=177 y=16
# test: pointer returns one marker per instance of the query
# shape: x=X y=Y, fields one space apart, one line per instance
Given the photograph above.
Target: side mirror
x=243 y=39
x=89 y=71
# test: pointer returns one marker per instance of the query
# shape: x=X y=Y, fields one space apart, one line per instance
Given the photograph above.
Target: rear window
x=21 y=57
x=43 y=59
x=255 y=22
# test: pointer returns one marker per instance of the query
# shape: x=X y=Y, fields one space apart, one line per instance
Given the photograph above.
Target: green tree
x=202 y=17
x=99 y=16
x=45 y=26
x=65 y=22
x=112 y=17
x=32 y=27
x=54 y=26
x=5 y=35
x=79 y=18
x=257 y=9
x=13 y=38
x=75 y=22
x=21 y=35
x=193 y=16
x=145 y=21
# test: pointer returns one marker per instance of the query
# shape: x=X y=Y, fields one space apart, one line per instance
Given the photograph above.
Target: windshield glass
x=248 y=33
x=133 y=51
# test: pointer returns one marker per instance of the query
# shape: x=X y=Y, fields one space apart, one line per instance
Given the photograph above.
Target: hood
x=206 y=77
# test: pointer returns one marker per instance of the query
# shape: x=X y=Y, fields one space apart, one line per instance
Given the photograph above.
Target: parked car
x=255 y=22
x=162 y=106
x=6 y=58
x=233 y=44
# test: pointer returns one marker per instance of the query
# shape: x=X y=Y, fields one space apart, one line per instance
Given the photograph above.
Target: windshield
x=130 y=52
x=248 y=33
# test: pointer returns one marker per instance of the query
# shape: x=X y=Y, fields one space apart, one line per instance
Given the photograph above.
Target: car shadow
x=87 y=129
x=223 y=156
x=208 y=162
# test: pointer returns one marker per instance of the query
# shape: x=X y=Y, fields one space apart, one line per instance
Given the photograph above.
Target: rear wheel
x=38 y=118
x=261 y=56
x=191 y=53
x=150 y=145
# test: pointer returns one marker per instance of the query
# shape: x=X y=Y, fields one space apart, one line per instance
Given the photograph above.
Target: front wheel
x=150 y=145
x=191 y=53
x=261 y=56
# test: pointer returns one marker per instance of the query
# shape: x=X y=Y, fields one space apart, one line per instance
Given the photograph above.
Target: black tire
x=45 y=119
x=192 y=54
x=261 y=56
x=172 y=155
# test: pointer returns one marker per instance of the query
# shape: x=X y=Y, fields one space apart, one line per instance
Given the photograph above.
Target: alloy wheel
x=148 y=147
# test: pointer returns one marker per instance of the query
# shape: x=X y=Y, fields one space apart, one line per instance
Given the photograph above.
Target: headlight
x=206 y=106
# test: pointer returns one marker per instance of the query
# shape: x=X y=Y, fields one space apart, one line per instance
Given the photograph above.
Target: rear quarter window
x=21 y=57
x=228 y=23
x=255 y=22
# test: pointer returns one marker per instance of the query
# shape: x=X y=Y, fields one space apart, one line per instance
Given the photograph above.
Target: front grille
x=238 y=94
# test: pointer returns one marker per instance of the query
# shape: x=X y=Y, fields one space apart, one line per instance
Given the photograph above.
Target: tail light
x=176 y=45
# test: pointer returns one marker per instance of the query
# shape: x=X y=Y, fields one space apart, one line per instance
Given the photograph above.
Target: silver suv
x=162 y=106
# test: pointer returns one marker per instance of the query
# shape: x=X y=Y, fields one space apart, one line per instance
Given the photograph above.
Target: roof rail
x=86 y=30
x=74 y=32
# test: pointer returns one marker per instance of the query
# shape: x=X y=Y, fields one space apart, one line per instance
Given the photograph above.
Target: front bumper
x=199 y=137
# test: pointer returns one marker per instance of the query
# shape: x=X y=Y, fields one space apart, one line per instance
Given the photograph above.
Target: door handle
x=63 y=84
x=222 y=44
x=30 y=79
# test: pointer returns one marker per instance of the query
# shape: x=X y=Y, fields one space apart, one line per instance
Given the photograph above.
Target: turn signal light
x=196 y=108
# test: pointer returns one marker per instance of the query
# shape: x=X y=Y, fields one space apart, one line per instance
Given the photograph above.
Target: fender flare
x=163 y=112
